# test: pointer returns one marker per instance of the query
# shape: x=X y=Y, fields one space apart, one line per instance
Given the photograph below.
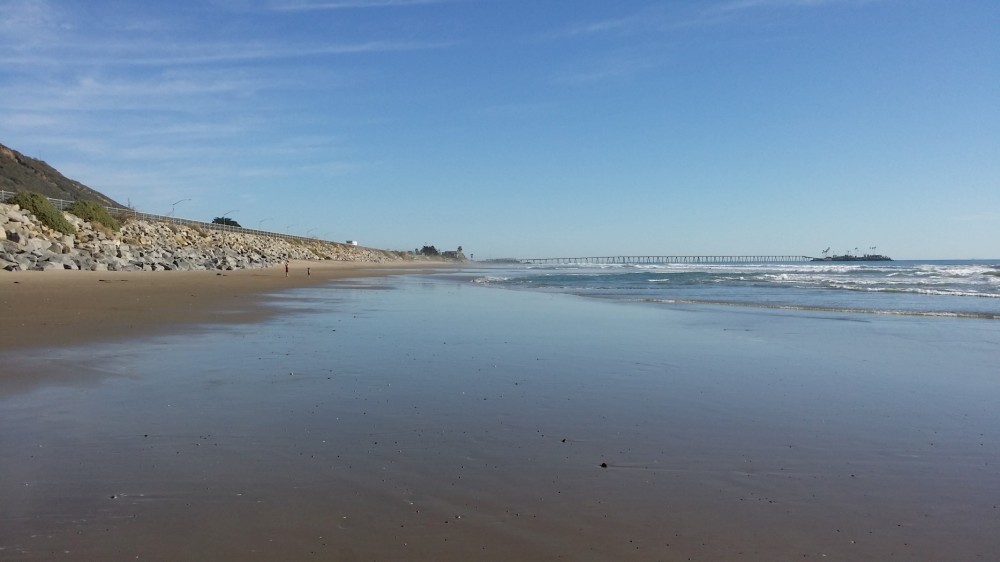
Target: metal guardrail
x=63 y=204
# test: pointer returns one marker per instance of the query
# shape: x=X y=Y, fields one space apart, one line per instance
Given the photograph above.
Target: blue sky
x=535 y=128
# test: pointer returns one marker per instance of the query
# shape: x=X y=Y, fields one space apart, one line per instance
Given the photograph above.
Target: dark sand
x=54 y=308
x=420 y=419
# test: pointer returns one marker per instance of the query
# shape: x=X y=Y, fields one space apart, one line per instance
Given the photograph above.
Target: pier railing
x=122 y=212
x=620 y=260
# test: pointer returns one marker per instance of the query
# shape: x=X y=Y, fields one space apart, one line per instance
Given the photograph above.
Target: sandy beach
x=428 y=418
x=56 y=308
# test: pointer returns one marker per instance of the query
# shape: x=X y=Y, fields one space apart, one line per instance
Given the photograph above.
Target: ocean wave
x=931 y=289
x=487 y=280
x=933 y=292
x=820 y=308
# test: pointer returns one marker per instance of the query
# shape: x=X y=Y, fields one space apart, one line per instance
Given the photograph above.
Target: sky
x=528 y=128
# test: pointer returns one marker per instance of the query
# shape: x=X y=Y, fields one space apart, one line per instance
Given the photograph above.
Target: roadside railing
x=63 y=204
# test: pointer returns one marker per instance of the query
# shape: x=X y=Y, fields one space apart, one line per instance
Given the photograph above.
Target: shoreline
x=59 y=308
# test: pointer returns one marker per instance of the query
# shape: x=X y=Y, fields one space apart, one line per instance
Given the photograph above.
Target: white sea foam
x=490 y=280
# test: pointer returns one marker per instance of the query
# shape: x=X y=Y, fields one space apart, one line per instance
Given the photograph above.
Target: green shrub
x=40 y=206
x=123 y=216
x=94 y=213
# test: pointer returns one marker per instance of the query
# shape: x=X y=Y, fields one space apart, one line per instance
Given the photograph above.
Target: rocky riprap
x=26 y=244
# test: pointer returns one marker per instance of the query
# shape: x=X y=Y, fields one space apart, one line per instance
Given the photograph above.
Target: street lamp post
x=174 y=205
x=223 y=217
x=261 y=222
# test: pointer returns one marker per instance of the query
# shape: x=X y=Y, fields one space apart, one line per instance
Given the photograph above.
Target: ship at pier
x=852 y=257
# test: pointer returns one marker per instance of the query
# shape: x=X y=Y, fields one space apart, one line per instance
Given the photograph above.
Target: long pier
x=611 y=260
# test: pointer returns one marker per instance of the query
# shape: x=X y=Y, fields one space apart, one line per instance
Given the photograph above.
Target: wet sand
x=415 y=418
x=54 y=308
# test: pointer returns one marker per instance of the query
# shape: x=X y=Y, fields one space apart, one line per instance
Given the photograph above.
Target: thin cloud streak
x=608 y=68
x=94 y=93
x=741 y=5
x=602 y=26
x=653 y=19
x=657 y=20
x=255 y=53
x=210 y=54
x=350 y=5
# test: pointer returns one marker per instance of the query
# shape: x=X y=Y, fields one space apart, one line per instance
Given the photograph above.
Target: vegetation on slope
x=22 y=173
x=40 y=206
x=94 y=213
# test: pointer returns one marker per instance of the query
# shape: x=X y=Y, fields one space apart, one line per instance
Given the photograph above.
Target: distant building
x=352 y=242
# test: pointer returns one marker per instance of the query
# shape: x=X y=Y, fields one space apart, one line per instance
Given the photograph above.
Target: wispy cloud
x=608 y=67
x=142 y=54
x=308 y=6
x=742 y=5
x=124 y=101
x=657 y=19
x=96 y=91
x=36 y=33
x=238 y=53
x=600 y=26
x=28 y=25
x=652 y=19
x=605 y=60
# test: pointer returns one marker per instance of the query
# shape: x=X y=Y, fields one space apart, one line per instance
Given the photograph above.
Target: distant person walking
x=286 y=268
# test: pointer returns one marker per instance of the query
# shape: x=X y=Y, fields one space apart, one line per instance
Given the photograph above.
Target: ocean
x=967 y=288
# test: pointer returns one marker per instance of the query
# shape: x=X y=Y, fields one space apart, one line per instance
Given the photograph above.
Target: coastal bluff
x=26 y=244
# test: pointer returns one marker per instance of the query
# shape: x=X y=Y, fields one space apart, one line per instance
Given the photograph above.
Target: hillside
x=22 y=173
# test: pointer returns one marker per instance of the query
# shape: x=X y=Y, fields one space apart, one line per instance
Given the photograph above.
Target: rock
x=35 y=244
x=85 y=263
x=24 y=262
x=26 y=244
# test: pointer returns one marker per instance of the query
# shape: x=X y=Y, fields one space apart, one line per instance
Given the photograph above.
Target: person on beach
x=286 y=268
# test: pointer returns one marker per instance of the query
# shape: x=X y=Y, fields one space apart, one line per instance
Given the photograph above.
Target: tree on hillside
x=226 y=221
x=429 y=251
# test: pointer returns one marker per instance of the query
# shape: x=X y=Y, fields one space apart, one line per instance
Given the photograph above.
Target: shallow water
x=432 y=418
x=965 y=288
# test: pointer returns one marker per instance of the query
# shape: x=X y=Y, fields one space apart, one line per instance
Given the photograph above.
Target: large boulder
x=14 y=215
